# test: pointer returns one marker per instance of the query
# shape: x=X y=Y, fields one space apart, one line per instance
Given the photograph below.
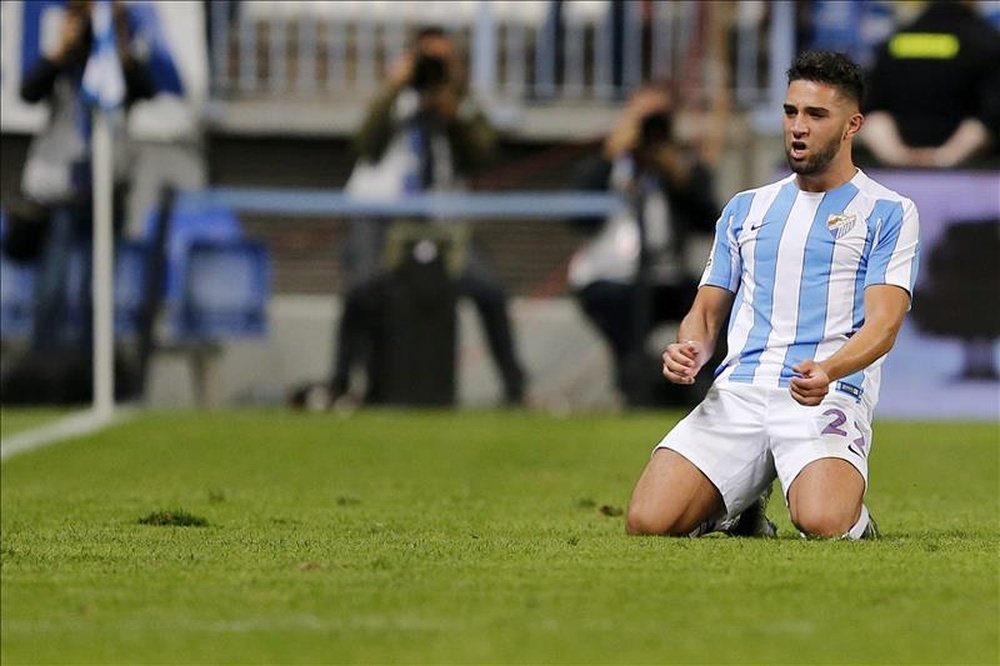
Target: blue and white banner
x=103 y=82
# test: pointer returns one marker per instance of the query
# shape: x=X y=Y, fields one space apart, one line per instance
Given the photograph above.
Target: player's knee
x=639 y=523
x=823 y=522
x=642 y=521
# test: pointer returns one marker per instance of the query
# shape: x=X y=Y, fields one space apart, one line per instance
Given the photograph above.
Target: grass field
x=396 y=537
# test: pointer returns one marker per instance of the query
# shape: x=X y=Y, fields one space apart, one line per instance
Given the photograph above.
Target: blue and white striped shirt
x=799 y=263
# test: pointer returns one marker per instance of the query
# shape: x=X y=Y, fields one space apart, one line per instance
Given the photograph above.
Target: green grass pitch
x=425 y=537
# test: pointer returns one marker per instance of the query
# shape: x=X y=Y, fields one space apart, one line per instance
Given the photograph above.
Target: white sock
x=859 y=527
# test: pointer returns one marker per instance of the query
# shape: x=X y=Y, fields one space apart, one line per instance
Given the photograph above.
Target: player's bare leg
x=825 y=499
x=672 y=497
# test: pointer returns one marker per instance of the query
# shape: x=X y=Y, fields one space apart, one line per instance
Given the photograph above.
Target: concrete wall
x=568 y=365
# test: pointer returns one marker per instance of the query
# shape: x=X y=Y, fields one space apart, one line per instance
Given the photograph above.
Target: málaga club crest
x=839 y=224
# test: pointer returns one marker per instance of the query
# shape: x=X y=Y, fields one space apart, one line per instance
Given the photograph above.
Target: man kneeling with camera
x=420 y=134
x=631 y=274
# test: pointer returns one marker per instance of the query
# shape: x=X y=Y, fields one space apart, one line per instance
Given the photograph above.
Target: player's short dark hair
x=834 y=69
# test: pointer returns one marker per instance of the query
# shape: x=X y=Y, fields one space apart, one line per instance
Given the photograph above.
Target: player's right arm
x=697 y=334
x=699 y=330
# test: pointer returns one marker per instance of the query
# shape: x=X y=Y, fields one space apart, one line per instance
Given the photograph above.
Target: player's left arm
x=885 y=308
x=889 y=281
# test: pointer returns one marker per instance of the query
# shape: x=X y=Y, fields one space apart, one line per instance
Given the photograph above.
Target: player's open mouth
x=798 y=150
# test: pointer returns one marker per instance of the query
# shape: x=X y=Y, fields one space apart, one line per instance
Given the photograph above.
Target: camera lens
x=655 y=128
x=429 y=72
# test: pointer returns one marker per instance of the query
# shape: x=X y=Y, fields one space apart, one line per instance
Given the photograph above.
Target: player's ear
x=854 y=124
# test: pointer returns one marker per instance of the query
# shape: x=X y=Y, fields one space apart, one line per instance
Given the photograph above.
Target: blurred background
x=274 y=291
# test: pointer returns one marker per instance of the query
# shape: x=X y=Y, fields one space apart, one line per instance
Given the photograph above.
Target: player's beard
x=816 y=163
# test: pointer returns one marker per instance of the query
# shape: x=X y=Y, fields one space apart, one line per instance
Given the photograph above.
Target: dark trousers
x=613 y=308
x=55 y=293
x=62 y=308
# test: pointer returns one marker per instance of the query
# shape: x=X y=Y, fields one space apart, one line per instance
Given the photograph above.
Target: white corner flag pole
x=102 y=284
x=103 y=87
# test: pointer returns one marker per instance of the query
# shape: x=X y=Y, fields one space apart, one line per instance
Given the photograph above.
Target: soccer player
x=817 y=271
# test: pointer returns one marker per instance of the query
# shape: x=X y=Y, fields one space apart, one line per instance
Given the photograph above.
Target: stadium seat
x=74 y=293
x=225 y=290
x=131 y=271
x=186 y=227
x=17 y=284
x=531 y=13
x=450 y=13
x=215 y=287
x=585 y=12
x=16 y=287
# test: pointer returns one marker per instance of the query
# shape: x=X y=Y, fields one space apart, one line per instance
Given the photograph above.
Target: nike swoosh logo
x=755 y=227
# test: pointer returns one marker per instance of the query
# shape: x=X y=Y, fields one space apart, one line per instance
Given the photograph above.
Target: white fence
x=522 y=52
x=524 y=55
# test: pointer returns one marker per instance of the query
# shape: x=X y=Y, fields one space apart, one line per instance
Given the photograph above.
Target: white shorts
x=742 y=436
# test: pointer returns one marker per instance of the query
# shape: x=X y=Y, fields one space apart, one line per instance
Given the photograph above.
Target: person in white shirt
x=816 y=272
x=632 y=272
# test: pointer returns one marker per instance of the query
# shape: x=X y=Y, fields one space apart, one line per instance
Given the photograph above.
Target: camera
x=429 y=72
x=655 y=129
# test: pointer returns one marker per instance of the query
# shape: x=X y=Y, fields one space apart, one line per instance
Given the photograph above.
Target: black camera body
x=429 y=72
x=655 y=129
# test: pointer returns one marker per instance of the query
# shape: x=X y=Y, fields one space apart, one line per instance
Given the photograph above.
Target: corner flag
x=103 y=82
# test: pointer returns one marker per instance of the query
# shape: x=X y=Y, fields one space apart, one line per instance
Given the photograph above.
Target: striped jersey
x=799 y=263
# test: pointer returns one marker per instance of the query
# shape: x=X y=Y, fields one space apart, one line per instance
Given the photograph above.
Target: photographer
x=421 y=133
x=56 y=183
x=632 y=273
x=426 y=91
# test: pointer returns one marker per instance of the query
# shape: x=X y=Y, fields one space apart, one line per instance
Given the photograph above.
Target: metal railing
x=522 y=52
